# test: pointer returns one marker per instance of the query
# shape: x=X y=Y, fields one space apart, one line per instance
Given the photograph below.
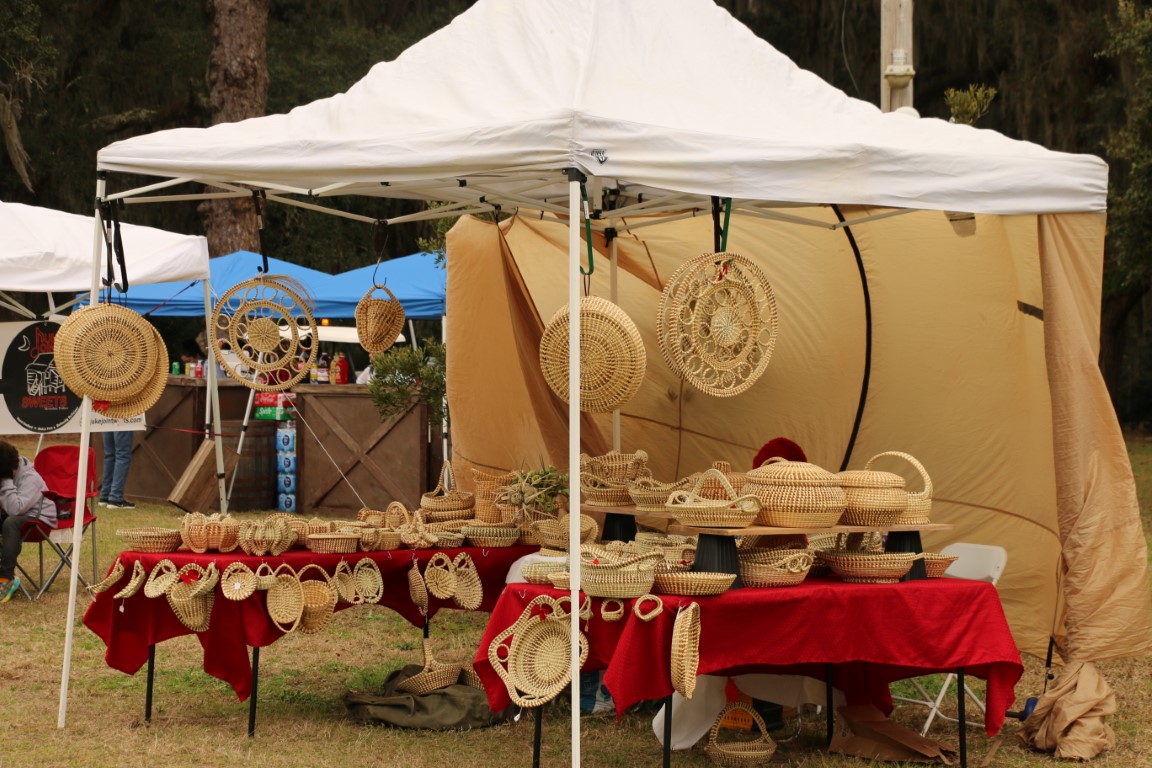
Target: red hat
x=779 y=446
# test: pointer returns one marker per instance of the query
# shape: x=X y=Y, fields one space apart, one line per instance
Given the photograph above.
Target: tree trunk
x=238 y=89
x=1115 y=343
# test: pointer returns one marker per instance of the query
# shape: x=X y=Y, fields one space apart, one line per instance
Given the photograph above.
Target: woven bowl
x=935 y=564
x=693 y=583
x=334 y=543
x=870 y=567
x=151 y=539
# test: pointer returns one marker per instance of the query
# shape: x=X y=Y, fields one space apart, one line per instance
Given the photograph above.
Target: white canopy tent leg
x=214 y=396
x=81 y=479
x=574 y=284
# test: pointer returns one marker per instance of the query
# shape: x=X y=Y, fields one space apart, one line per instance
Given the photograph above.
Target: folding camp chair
x=58 y=465
x=979 y=562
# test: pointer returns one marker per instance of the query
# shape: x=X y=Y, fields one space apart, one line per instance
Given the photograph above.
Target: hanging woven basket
x=154 y=384
x=469 y=588
x=270 y=326
x=717 y=323
x=107 y=352
x=378 y=321
x=612 y=357
x=533 y=656
x=686 y=649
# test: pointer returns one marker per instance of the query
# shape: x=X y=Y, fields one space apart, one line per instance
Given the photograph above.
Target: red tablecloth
x=872 y=633
x=129 y=627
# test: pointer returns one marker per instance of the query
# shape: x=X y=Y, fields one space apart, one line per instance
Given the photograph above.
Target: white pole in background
x=574 y=451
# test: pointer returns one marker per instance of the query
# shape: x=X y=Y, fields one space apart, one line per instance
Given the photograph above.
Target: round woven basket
x=490 y=535
x=237 y=582
x=107 y=352
x=378 y=321
x=151 y=540
x=469 y=587
x=717 y=323
x=872 y=498
x=870 y=567
x=533 y=656
x=162 y=577
x=369 y=580
x=632 y=577
x=777 y=568
x=919 y=509
x=440 y=576
x=285 y=599
x=537 y=572
x=690 y=508
x=693 y=583
x=446 y=499
x=936 y=564
x=650 y=495
x=795 y=494
x=612 y=357
x=686 y=649
x=149 y=395
x=269 y=324
x=334 y=543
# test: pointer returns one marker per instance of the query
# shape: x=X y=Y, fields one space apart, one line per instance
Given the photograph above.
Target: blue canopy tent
x=186 y=298
x=417 y=282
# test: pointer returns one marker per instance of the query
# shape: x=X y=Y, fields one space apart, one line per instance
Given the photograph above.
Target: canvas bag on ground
x=455 y=708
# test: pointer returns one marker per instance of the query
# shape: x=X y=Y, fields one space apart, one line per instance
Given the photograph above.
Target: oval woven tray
x=694 y=583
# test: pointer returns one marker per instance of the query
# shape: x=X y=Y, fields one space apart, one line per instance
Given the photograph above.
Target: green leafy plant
x=403 y=373
x=969 y=105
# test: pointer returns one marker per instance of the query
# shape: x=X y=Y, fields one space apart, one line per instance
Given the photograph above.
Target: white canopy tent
x=662 y=107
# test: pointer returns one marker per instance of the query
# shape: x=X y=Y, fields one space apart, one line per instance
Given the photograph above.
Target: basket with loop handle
x=779 y=568
x=319 y=595
x=736 y=754
x=872 y=498
x=162 y=577
x=469 y=588
x=919 y=508
x=194 y=531
x=690 y=508
x=378 y=320
x=686 y=649
x=417 y=587
x=134 y=582
x=433 y=677
x=396 y=515
x=440 y=576
x=265 y=577
x=285 y=599
x=110 y=580
x=345 y=582
x=223 y=533
x=604 y=479
x=533 y=657
x=649 y=495
x=448 y=501
x=630 y=577
x=369 y=580
x=237 y=582
x=192 y=595
x=415 y=534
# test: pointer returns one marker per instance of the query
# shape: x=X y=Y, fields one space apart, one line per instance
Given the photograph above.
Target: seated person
x=21 y=501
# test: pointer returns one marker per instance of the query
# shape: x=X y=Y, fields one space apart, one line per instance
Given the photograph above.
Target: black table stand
x=618 y=527
x=907 y=541
x=151 y=677
x=717 y=554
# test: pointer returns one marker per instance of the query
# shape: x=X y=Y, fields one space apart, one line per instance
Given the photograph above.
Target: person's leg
x=109 y=465
x=9 y=553
x=123 y=450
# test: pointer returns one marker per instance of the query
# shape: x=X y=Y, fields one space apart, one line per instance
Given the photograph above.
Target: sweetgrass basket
x=378 y=321
x=440 y=576
x=319 y=596
x=469 y=587
x=936 y=564
x=690 y=508
x=446 y=501
x=631 y=577
x=491 y=535
x=870 y=567
x=776 y=568
x=334 y=543
x=736 y=754
x=538 y=572
x=686 y=649
x=151 y=540
x=533 y=656
x=692 y=583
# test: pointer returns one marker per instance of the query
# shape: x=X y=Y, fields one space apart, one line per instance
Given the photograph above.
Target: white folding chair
x=978 y=562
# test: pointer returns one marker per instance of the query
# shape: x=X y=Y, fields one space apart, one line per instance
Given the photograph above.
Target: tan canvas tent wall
x=664 y=105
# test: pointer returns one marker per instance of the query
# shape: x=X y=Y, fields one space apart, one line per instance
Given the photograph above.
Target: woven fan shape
x=107 y=352
x=378 y=321
x=149 y=395
x=717 y=323
x=612 y=357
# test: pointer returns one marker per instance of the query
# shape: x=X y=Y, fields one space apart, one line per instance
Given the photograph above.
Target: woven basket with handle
x=690 y=508
x=378 y=321
x=736 y=754
x=533 y=656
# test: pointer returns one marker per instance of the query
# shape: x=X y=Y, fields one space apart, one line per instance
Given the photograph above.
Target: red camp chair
x=58 y=465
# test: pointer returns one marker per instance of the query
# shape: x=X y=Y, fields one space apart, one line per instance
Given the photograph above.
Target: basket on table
x=649 y=494
x=334 y=543
x=631 y=577
x=735 y=754
x=919 y=508
x=376 y=539
x=692 y=583
x=936 y=564
x=446 y=501
x=491 y=535
x=151 y=539
x=872 y=498
x=604 y=479
x=538 y=572
x=870 y=567
x=485 y=486
x=690 y=508
x=712 y=488
x=795 y=494
x=775 y=568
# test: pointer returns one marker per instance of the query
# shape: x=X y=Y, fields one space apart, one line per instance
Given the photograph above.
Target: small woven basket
x=778 y=568
x=433 y=677
x=870 y=567
x=378 y=321
x=334 y=543
x=490 y=535
x=193 y=612
x=134 y=582
x=369 y=580
x=446 y=500
x=151 y=540
x=690 y=508
x=418 y=588
x=238 y=582
x=162 y=577
x=485 y=486
x=936 y=564
x=285 y=599
x=631 y=577
x=736 y=754
x=469 y=587
x=650 y=495
x=319 y=596
x=692 y=583
x=110 y=580
x=533 y=656
x=537 y=573
x=440 y=576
